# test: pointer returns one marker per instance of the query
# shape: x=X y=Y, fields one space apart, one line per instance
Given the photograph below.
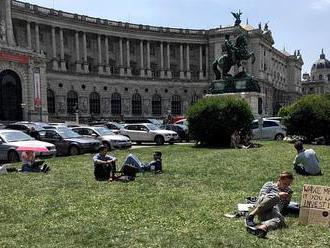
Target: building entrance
x=10 y=96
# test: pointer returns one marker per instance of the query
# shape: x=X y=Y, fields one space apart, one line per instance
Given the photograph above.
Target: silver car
x=268 y=129
x=103 y=134
x=10 y=140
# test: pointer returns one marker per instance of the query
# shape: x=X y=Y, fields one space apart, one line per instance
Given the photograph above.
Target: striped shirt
x=271 y=189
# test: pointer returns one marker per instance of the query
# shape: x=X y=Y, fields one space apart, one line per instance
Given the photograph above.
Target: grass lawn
x=183 y=207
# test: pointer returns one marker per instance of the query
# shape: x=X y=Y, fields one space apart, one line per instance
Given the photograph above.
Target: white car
x=105 y=135
x=147 y=132
x=268 y=129
x=10 y=140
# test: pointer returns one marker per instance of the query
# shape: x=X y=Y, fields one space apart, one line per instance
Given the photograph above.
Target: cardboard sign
x=315 y=205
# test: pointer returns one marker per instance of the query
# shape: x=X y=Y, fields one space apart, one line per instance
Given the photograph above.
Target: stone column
x=6 y=19
x=148 y=60
x=86 y=69
x=121 y=61
x=63 y=65
x=169 y=72
x=37 y=38
x=206 y=62
x=107 y=67
x=28 y=32
x=78 y=63
x=55 y=64
x=181 y=62
x=128 y=59
x=142 y=70
x=188 y=62
x=162 y=71
x=201 y=75
x=99 y=54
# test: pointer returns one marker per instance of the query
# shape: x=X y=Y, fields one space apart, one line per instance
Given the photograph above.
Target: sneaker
x=47 y=169
x=260 y=233
x=249 y=220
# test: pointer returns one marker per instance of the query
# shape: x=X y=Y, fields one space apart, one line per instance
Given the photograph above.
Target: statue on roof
x=237 y=16
x=266 y=28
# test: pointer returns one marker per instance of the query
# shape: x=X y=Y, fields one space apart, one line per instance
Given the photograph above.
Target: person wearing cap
x=273 y=199
x=306 y=162
x=104 y=165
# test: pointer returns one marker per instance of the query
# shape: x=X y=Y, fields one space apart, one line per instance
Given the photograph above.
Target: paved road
x=146 y=145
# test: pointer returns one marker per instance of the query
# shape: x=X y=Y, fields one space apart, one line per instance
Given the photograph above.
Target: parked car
x=113 y=126
x=268 y=129
x=24 y=126
x=181 y=130
x=103 y=134
x=64 y=124
x=12 y=139
x=68 y=142
x=182 y=122
x=146 y=132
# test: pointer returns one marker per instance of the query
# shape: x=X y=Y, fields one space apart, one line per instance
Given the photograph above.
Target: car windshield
x=16 y=136
x=152 y=127
x=103 y=131
x=67 y=133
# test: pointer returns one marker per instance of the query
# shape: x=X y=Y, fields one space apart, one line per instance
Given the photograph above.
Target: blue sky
x=295 y=24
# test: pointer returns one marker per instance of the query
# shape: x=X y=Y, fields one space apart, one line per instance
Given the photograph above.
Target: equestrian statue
x=234 y=54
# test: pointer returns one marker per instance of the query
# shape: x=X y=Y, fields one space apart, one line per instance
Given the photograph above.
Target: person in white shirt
x=306 y=162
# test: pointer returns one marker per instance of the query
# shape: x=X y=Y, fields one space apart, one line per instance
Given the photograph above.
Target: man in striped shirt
x=272 y=200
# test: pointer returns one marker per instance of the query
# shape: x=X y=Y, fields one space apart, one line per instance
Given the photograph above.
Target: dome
x=321 y=63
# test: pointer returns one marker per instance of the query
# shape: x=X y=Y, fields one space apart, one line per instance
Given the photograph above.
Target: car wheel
x=13 y=157
x=74 y=150
x=107 y=145
x=159 y=140
x=279 y=136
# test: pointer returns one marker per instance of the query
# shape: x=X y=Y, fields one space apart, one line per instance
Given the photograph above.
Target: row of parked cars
x=72 y=139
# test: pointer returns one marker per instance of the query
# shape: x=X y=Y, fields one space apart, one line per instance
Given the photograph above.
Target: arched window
x=156 y=104
x=320 y=77
x=259 y=105
x=115 y=104
x=194 y=99
x=328 y=77
x=51 y=101
x=176 y=105
x=72 y=102
x=136 y=104
x=94 y=103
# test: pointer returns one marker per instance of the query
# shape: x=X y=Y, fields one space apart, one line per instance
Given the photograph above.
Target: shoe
x=43 y=167
x=260 y=233
x=47 y=169
x=249 y=220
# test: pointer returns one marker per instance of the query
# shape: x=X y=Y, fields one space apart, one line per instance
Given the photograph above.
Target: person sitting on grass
x=306 y=162
x=273 y=199
x=104 y=165
x=30 y=164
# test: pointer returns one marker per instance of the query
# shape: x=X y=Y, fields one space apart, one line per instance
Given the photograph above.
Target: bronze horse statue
x=234 y=55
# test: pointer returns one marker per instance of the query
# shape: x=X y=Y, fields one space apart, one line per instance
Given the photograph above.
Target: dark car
x=181 y=130
x=24 y=126
x=68 y=142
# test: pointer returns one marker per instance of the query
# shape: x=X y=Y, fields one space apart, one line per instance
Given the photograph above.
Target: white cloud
x=320 y=4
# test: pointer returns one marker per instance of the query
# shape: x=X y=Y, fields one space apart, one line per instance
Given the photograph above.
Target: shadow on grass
x=207 y=146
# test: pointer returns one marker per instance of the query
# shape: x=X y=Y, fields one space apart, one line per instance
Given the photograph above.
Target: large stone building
x=53 y=63
x=318 y=81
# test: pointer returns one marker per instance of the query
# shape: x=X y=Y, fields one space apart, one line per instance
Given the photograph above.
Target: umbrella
x=32 y=149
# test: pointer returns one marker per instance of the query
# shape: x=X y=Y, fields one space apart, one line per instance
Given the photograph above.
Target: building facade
x=318 y=81
x=54 y=64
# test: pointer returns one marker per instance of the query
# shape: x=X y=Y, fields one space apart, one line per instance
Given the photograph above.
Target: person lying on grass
x=273 y=199
x=104 y=165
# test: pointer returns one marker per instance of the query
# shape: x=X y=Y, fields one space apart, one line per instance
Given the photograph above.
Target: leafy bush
x=309 y=116
x=212 y=120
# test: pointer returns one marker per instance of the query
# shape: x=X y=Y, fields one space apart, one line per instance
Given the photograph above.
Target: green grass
x=184 y=207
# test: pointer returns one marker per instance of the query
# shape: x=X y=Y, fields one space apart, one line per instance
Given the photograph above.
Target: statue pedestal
x=252 y=98
x=244 y=86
